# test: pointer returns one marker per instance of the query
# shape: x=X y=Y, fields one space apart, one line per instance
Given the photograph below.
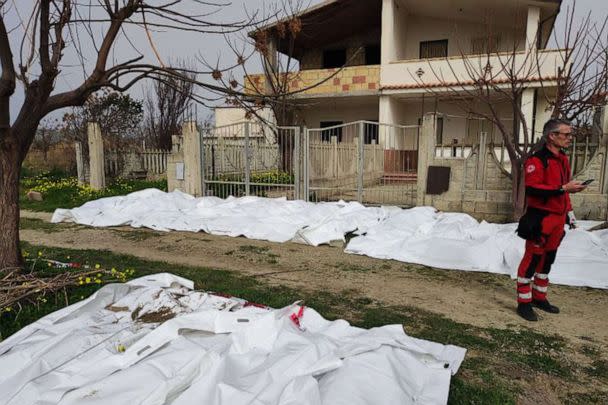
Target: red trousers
x=533 y=271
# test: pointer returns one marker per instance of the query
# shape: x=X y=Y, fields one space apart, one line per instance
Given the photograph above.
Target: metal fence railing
x=134 y=163
x=459 y=136
x=363 y=161
x=251 y=159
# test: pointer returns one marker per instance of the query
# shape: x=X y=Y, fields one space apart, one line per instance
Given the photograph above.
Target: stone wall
x=481 y=189
x=593 y=202
x=350 y=80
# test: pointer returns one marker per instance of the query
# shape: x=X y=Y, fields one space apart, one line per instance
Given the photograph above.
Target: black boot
x=525 y=311
x=545 y=306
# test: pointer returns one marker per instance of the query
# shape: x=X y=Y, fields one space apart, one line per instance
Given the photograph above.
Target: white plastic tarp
x=418 y=235
x=214 y=350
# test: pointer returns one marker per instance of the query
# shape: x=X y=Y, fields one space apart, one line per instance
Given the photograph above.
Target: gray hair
x=553 y=126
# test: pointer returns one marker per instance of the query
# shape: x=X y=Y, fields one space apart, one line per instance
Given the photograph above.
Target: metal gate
x=360 y=161
x=247 y=158
x=365 y=161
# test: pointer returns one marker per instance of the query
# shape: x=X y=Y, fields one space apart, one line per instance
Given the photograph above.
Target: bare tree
x=118 y=115
x=485 y=83
x=48 y=135
x=54 y=27
x=272 y=90
x=165 y=106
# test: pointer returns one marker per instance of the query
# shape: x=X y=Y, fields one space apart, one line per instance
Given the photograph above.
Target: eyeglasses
x=565 y=134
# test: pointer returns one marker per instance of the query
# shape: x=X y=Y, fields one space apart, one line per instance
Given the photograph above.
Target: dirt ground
x=478 y=299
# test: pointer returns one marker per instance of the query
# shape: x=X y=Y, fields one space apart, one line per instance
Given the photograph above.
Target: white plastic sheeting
x=214 y=350
x=418 y=235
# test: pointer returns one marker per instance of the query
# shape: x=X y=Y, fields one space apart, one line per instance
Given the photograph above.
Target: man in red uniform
x=548 y=185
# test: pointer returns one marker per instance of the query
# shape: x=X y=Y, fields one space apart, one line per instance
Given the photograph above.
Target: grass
x=136 y=235
x=599 y=368
x=61 y=191
x=486 y=377
x=255 y=254
x=260 y=250
x=354 y=268
x=44 y=226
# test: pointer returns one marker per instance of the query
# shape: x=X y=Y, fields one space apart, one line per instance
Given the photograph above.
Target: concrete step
x=400 y=177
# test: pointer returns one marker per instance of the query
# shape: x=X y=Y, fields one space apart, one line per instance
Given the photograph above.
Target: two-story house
x=382 y=107
x=404 y=58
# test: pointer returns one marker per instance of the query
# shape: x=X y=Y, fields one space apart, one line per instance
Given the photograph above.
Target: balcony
x=412 y=76
x=353 y=80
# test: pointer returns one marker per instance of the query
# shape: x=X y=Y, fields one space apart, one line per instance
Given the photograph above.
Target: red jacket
x=545 y=175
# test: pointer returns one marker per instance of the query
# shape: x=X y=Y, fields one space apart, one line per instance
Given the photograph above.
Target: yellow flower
x=121 y=348
x=97 y=266
x=80 y=282
x=98 y=274
x=39 y=254
x=49 y=264
x=87 y=280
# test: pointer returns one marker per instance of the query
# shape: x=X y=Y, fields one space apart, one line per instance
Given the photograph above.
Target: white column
x=271 y=63
x=527 y=109
x=388 y=114
x=388 y=43
x=96 y=156
x=527 y=97
x=532 y=27
x=426 y=154
x=192 y=159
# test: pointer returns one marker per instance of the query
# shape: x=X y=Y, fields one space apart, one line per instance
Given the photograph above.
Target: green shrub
x=64 y=192
x=270 y=177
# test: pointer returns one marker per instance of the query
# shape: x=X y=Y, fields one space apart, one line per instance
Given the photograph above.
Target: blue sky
x=173 y=45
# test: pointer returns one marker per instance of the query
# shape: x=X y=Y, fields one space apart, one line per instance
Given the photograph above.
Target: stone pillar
x=79 y=163
x=96 y=157
x=192 y=159
x=175 y=165
x=426 y=154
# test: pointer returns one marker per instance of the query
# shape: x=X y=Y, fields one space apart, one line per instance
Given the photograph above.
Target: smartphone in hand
x=587 y=182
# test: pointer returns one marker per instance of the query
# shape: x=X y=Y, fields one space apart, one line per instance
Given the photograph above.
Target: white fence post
x=334 y=157
x=79 y=163
x=247 y=168
x=306 y=163
x=296 y=162
x=359 y=142
x=202 y=161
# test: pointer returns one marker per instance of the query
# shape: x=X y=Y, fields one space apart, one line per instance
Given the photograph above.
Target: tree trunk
x=518 y=190
x=10 y=164
x=285 y=141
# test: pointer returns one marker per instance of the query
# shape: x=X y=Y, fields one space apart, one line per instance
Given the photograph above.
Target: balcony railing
x=321 y=82
x=463 y=70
